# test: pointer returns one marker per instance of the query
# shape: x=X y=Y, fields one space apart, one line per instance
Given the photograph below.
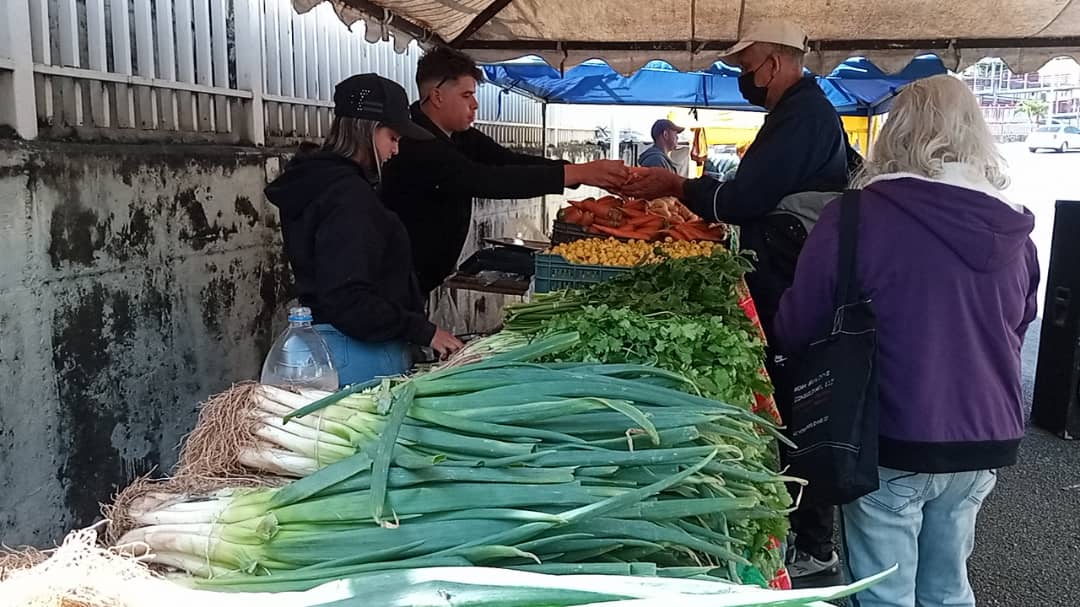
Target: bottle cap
x=300 y=314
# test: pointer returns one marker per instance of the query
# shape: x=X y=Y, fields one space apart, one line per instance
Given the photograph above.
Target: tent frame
x=464 y=41
x=699 y=46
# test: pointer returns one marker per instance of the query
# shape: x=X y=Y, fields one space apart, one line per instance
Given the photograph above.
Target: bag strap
x=847 y=288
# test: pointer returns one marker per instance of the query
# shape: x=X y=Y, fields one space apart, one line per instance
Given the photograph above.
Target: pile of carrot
x=640 y=220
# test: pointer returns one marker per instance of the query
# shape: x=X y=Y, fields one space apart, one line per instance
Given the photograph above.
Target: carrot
x=645 y=220
x=571 y=215
x=682 y=210
x=660 y=212
x=649 y=230
x=607 y=221
x=677 y=233
x=702 y=231
x=636 y=204
x=691 y=228
x=631 y=211
x=624 y=233
x=717 y=235
x=695 y=234
x=587 y=218
x=719 y=230
x=601 y=210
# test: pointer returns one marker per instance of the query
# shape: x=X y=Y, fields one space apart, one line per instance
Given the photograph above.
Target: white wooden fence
x=247 y=71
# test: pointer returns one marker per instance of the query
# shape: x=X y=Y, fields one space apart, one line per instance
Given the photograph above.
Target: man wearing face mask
x=431 y=184
x=798 y=162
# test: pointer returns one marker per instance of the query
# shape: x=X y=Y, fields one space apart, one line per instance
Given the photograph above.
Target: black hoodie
x=350 y=255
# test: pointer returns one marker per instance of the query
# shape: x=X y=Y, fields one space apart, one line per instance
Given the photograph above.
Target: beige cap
x=774 y=31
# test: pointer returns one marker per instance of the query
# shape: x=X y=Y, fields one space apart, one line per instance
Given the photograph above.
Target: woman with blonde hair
x=949 y=266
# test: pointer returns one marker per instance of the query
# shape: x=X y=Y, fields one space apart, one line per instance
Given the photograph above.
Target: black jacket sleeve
x=774 y=166
x=348 y=256
x=450 y=169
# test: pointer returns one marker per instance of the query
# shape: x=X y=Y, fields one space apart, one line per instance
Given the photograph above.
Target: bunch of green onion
x=550 y=468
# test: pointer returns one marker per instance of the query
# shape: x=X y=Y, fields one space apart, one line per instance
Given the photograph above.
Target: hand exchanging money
x=650 y=183
x=606 y=174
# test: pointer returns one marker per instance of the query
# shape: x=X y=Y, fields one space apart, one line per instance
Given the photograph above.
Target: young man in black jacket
x=431 y=184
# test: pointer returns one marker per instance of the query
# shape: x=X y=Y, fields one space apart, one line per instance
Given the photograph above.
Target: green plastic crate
x=554 y=273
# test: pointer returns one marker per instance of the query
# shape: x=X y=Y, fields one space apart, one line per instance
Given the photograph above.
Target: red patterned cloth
x=762 y=403
x=782 y=581
x=767 y=404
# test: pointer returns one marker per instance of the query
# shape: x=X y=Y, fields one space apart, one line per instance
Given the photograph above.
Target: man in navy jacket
x=800 y=156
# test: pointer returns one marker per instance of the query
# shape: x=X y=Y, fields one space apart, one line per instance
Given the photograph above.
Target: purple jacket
x=952 y=274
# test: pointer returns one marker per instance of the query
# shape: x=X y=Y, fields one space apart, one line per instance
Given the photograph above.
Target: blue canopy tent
x=855 y=88
x=873 y=88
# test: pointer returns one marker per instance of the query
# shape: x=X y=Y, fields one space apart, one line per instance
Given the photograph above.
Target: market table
x=502 y=286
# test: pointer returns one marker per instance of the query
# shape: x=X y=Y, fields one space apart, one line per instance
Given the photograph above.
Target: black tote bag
x=834 y=389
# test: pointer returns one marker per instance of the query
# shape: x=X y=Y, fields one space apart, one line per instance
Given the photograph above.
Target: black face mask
x=754 y=94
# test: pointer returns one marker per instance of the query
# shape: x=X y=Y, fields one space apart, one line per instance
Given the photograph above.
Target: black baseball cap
x=372 y=97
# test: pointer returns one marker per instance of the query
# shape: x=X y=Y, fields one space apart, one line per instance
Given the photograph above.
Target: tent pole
x=544 y=213
x=543 y=128
x=869 y=128
x=614 y=153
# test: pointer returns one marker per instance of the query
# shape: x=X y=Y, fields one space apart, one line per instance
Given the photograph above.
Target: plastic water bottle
x=299 y=357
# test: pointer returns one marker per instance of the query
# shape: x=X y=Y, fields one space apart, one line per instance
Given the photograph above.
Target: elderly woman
x=952 y=273
x=350 y=254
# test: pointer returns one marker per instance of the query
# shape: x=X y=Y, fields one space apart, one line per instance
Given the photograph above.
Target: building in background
x=1015 y=103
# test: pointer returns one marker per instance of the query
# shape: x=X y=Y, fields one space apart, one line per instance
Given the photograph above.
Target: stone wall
x=134 y=282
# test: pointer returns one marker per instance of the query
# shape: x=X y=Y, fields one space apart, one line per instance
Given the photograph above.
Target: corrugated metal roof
x=690 y=33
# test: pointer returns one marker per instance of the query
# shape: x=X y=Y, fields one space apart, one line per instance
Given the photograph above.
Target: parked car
x=1055 y=137
x=722 y=160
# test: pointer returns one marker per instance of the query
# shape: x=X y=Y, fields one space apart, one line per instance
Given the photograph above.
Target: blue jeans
x=360 y=361
x=925 y=523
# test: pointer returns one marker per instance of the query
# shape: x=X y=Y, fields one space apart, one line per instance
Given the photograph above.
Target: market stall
x=687 y=35
x=615 y=444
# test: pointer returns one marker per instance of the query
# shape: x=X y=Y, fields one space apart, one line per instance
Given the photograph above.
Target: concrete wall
x=134 y=282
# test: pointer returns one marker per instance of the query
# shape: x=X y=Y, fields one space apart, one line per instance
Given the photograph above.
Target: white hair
x=935 y=121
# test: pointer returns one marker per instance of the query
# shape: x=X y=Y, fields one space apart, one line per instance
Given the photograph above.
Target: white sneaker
x=805 y=565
